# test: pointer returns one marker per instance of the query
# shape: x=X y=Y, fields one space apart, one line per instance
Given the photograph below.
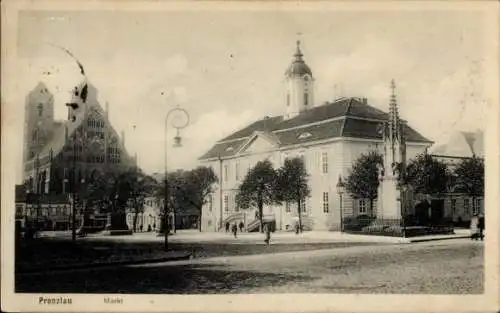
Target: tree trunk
x=199 y=221
x=371 y=207
x=136 y=214
x=300 y=214
x=261 y=217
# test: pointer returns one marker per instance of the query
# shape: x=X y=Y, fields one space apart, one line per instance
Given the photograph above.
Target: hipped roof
x=345 y=117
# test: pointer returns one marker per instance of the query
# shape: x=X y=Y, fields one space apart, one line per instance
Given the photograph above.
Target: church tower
x=299 y=86
x=38 y=120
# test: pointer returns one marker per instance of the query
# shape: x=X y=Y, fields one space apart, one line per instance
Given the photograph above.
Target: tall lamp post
x=180 y=120
x=403 y=189
x=340 y=191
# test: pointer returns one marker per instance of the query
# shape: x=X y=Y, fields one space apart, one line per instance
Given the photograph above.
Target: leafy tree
x=427 y=175
x=363 y=179
x=292 y=184
x=199 y=184
x=114 y=191
x=176 y=195
x=189 y=189
x=258 y=188
x=470 y=177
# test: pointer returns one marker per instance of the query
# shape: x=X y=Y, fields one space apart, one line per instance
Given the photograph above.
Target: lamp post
x=340 y=191
x=180 y=121
x=450 y=188
x=403 y=189
x=37 y=190
x=220 y=192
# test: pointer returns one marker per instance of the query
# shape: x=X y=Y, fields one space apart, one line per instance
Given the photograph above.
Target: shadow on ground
x=182 y=279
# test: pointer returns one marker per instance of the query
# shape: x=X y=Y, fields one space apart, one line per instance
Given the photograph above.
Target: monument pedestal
x=388 y=201
x=116 y=225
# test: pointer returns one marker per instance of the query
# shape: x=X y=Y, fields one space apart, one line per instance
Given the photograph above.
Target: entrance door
x=437 y=209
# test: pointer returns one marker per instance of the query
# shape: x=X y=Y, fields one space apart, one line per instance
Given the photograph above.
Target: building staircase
x=236 y=217
x=254 y=225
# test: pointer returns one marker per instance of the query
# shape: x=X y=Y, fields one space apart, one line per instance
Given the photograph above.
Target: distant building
x=61 y=156
x=329 y=138
x=459 y=146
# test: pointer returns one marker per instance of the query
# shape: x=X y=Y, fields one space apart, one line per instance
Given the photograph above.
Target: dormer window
x=304 y=135
x=229 y=149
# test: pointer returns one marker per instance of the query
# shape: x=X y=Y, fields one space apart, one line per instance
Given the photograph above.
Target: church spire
x=394 y=123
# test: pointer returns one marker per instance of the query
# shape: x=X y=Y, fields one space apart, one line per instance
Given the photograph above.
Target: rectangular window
x=326 y=208
x=210 y=202
x=476 y=206
x=306 y=98
x=453 y=205
x=287 y=207
x=226 y=172
x=362 y=206
x=236 y=207
x=324 y=162
x=226 y=203
x=237 y=171
x=303 y=205
x=467 y=206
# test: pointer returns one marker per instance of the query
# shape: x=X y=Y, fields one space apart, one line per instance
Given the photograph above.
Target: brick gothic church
x=49 y=147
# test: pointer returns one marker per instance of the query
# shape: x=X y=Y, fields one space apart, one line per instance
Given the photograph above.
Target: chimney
x=123 y=138
x=107 y=109
x=365 y=101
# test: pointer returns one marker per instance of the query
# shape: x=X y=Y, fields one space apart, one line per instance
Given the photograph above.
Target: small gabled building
x=459 y=146
x=329 y=138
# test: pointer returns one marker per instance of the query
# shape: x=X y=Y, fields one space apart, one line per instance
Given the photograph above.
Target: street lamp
x=403 y=188
x=340 y=191
x=180 y=119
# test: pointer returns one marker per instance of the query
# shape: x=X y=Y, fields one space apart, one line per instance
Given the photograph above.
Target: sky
x=227 y=68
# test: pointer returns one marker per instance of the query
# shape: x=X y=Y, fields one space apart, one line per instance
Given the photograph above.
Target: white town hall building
x=329 y=138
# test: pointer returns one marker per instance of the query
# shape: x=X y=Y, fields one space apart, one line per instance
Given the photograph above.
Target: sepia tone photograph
x=265 y=151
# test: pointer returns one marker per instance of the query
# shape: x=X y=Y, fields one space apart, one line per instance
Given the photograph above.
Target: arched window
x=287 y=99
x=306 y=98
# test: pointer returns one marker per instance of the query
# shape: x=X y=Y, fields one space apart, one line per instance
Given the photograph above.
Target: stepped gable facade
x=57 y=153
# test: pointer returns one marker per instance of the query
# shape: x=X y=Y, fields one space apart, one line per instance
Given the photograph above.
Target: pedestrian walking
x=235 y=230
x=227 y=227
x=241 y=227
x=474 y=229
x=480 y=225
x=267 y=233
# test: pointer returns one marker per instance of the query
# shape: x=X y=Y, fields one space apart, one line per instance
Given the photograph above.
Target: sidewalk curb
x=435 y=239
x=184 y=256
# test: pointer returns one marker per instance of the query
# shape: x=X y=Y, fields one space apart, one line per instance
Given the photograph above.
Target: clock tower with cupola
x=299 y=86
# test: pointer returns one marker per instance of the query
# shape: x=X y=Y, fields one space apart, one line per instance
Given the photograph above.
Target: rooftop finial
x=298 y=54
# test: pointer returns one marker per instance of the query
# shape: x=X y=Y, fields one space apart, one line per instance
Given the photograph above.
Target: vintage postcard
x=312 y=156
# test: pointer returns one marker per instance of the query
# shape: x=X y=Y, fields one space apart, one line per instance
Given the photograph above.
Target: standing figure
x=241 y=226
x=227 y=227
x=267 y=232
x=235 y=230
x=474 y=229
x=480 y=225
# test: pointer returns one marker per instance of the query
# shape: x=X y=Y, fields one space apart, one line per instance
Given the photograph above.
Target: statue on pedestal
x=381 y=172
